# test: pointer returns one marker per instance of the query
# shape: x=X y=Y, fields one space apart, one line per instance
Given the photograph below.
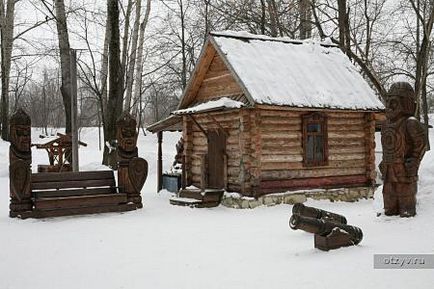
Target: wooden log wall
x=196 y=146
x=350 y=150
x=218 y=81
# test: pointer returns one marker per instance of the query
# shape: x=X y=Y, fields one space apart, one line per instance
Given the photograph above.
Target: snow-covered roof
x=212 y=105
x=282 y=71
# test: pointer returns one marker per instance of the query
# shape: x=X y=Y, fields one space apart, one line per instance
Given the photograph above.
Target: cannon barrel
x=323 y=227
x=315 y=213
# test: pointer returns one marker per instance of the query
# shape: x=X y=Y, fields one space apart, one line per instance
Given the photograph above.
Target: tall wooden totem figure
x=132 y=170
x=20 y=160
x=403 y=141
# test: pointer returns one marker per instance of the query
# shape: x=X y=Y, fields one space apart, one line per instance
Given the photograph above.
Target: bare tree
x=139 y=65
x=114 y=104
x=7 y=32
x=65 y=60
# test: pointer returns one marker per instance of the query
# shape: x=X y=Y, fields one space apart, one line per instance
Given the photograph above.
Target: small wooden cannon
x=329 y=233
x=305 y=211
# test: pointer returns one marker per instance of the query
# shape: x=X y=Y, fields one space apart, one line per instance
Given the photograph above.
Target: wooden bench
x=73 y=193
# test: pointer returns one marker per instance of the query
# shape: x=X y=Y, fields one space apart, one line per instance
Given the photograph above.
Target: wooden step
x=79 y=211
x=211 y=195
x=193 y=203
x=180 y=201
x=79 y=201
x=192 y=194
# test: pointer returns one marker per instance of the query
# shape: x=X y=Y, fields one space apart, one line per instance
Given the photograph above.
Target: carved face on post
x=400 y=101
x=126 y=133
x=20 y=131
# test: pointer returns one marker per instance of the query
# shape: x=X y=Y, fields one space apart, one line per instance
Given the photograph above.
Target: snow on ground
x=164 y=246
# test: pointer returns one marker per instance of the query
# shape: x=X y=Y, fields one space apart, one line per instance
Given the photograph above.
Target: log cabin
x=263 y=115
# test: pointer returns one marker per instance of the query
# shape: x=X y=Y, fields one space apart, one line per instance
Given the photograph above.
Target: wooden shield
x=138 y=172
x=19 y=175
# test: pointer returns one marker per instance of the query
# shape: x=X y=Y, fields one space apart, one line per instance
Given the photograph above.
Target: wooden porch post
x=160 y=161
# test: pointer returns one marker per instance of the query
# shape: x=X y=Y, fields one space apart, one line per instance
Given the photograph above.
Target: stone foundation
x=235 y=200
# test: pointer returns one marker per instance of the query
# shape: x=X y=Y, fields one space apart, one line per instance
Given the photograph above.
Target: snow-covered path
x=163 y=246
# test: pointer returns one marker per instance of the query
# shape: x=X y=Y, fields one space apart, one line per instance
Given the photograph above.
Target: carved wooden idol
x=403 y=141
x=132 y=170
x=20 y=160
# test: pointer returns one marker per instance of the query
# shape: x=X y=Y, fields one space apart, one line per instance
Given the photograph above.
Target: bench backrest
x=71 y=180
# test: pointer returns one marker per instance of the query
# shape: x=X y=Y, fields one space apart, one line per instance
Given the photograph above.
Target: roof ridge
x=246 y=35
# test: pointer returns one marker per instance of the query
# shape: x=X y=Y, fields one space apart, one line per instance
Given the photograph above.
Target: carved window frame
x=314 y=129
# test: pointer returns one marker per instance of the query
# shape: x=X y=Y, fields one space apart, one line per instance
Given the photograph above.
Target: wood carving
x=403 y=140
x=20 y=160
x=138 y=172
x=126 y=136
x=132 y=170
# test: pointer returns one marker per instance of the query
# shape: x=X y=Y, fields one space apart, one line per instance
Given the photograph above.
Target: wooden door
x=216 y=159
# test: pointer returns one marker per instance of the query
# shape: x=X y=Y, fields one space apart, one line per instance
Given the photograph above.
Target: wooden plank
x=82 y=211
x=71 y=176
x=73 y=184
x=311 y=183
x=79 y=201
x=79 y=192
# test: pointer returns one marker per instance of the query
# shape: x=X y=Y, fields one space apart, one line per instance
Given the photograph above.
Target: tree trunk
x=305 y=19
x=183 y=50
x=125 y=40
x=104 y=71
x=7 y=32
x=139 y=66
x=114 y=104
x=132 y=63
x=273 y=18
x=65 y=63
x=422 y=62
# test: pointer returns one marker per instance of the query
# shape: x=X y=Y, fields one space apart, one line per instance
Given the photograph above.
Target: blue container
x=172 y=182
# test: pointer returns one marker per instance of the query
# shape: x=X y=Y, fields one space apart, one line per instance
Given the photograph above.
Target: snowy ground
x=163 y=246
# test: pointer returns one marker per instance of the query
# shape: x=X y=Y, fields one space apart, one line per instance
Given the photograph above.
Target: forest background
x=137 y=55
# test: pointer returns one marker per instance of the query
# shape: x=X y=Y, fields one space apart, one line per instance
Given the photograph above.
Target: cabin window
x=315 y=139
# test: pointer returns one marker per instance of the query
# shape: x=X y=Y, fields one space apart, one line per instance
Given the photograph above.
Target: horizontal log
x=359 y=141
x=280 y=112
x=268 y=121
x=314 y=173
x=280 y=128
x=340 y=135
x=347 y=157
x=281 y=158
x=282 y=151
x=293 y=135
x=346 y=128
x=79 y=201
x=311 y=183
x=346 y=150
x=344 y=164
x=345 y=121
